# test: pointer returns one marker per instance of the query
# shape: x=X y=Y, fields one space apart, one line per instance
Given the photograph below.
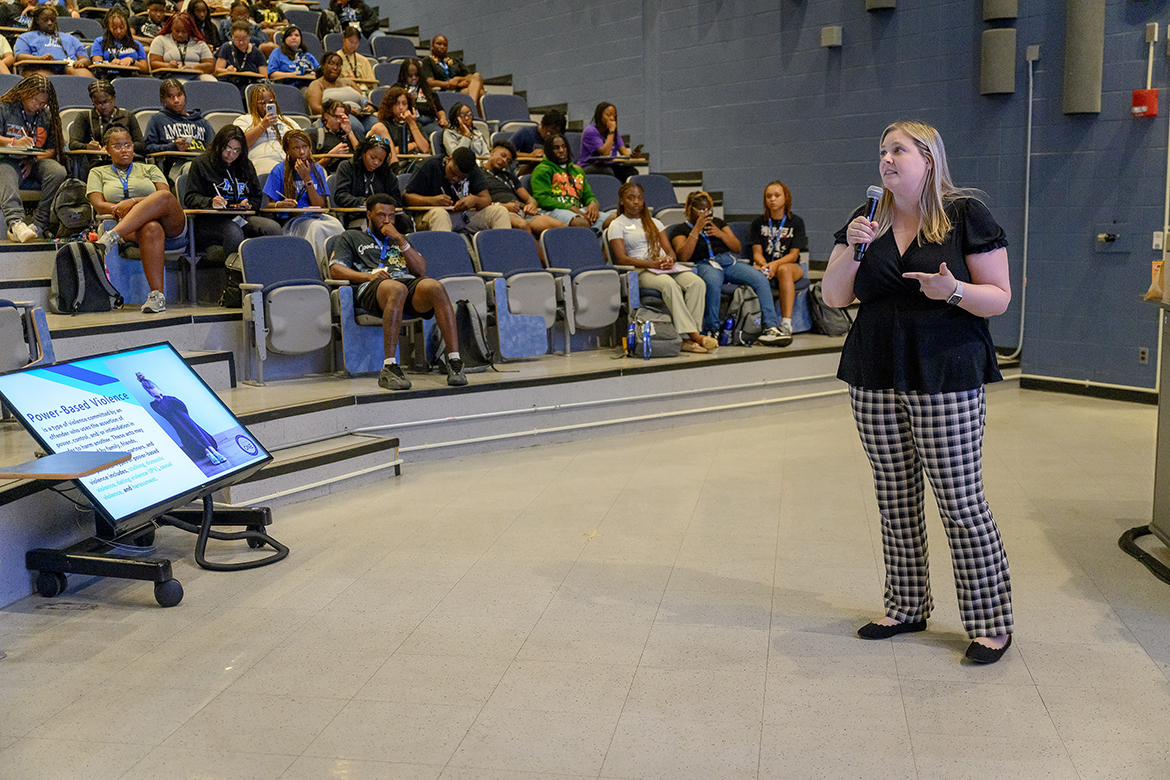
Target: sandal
x=690 y=346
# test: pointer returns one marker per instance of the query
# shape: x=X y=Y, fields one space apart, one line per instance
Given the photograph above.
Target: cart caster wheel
x=168 y=593
x=145 y=540
x=51 y=583
x=255 y=544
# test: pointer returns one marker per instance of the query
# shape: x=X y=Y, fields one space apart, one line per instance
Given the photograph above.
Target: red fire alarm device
x=1145 y=102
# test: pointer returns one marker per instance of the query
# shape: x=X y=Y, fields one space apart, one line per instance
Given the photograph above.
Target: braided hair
x=33 y=85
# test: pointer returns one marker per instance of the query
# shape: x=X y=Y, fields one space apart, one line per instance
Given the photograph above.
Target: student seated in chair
x=389 y=277
x=138 y=196
x=44 y=42
x=506 y=190
x=455 y=183
x=29 y=116
x=446 y=73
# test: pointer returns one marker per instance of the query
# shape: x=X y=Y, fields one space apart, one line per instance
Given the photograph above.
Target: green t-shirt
x=141 y=180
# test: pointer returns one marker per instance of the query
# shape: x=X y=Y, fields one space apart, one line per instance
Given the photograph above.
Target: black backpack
x=825 y=318
x=79 y=281
x=473 y=348
x=72 y=213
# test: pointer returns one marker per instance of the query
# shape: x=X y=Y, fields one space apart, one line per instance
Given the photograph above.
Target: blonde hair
x=937 y=189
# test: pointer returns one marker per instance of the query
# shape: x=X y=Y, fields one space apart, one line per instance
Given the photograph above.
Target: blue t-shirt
x=527 y=139
x=303 y=63
x=274 y=185
x=117 y=50
x=61 y=46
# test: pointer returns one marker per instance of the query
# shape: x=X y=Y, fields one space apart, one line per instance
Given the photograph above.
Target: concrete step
x=35 y=290
x=27 y=261
x=215 y=367
x=308 y=471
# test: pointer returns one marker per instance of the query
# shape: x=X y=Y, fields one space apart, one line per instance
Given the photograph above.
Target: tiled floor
x=672 y=605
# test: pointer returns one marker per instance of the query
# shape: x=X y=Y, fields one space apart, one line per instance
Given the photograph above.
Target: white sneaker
x=155 y=302
x=21 y=232
x=776 y=337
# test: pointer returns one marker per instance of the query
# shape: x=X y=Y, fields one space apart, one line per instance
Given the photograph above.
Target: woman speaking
x=916 y=360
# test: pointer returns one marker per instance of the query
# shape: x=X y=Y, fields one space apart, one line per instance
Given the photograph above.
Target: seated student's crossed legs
x=149 y=223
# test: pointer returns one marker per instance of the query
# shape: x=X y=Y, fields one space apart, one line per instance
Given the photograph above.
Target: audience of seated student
x=7 y=56
x=224 y=178
x=264 y=128
x=330 y=85
x=390 y=277
x=116 y=45
x=174 y=128
x=602 y=141
x=560 y=187
x=88 y=129
x=425 y=105
x=240 y=55
x=64 y=7
x=292 y=57
x=370 y=172
x=334 y=135
x=44 y=41
x=268 y=15
x=455 y=181
x=181 y=49
x=636 y=238
x=777 y=239
x=462 y=132
x=241 y=12
x=529 y=140
x=447 y=73
x=30 y=116
x=397 y=123
x=200 y=13
x=101 y=4
x=354 y=65
x=138 y=197
x=505 y=189
x=298 y=182
x=356 y=13
x=149 y=25
x=708 y=244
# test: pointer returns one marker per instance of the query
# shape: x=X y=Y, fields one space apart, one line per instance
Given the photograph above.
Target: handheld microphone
x=873 y=194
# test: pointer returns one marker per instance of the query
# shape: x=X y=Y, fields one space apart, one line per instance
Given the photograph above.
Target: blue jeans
x=734 y=272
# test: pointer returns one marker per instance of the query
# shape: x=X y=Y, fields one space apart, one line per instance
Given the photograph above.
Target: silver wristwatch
x=957 y=295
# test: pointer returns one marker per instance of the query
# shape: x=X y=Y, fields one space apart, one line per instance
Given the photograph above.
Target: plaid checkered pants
x=903 y=435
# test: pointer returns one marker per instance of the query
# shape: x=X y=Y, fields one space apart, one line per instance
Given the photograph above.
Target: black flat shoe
x=878 y=631
x=982 y=654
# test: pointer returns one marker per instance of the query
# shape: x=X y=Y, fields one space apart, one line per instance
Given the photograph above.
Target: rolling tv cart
x=93 y=556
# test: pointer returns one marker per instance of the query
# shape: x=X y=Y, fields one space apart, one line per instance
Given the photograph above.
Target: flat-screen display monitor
x=185 y=443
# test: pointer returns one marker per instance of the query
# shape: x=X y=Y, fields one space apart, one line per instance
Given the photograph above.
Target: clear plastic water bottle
x=725 y=334
x=630 y=337
x=646 y=340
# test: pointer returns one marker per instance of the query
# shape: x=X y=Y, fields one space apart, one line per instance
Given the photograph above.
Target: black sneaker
x=455 y=375
x=392 y=378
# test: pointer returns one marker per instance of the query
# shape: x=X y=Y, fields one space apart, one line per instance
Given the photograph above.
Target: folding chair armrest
x=489 y=274
x=251 y=287
x=624 y=268
x=335 y=283
x=562 y=271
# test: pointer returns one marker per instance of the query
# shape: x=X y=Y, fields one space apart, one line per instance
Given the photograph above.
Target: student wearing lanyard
x=180 y=45
x=709 y=245
x=224 y=178
x=240 y=55
x=298 y=182
x=397 y=122
x=89 y=128
x=445 y=73
x=458 y=184
x=30 y=117
x=777 y=239
x=45 y=42
x=354 y=65
x=370 y=172
x=390 y=277
x=138 y=196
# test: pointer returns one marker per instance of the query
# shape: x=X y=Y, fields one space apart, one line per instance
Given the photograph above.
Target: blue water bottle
x=630 y=340
x=725 y=334
x=646 y=340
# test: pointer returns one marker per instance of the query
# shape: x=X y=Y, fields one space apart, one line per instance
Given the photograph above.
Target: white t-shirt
x=630 y=231
x=267 y=151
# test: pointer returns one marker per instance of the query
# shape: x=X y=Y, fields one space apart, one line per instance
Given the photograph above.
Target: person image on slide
x=196 y=442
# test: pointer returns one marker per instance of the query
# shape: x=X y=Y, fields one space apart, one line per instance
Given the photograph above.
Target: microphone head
x=874 y=193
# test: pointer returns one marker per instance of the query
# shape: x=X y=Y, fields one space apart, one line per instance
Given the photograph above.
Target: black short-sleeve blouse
x=903 y=340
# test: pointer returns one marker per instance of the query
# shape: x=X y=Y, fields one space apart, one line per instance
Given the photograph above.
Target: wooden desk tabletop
x=65 y=465
x=295 y=210
x=249 y=74
x=21 y=151
x=114 y=66
x=175 y=153
x=219 y=212
x=40 y=63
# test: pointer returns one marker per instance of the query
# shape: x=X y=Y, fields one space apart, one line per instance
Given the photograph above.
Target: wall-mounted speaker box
x=1084 y=55
x=1000 y=9
x=878 y=5
x=997 y=75
x=831 y=36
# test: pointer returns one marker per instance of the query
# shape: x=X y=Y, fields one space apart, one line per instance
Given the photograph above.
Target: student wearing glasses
x=335 y=135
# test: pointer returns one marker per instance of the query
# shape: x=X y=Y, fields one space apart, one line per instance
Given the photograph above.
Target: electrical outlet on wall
x=1143 y=355
x=1157 y=239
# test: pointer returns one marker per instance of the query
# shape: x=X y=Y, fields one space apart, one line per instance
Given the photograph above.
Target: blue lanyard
x=443 y=65
x=385 y=245
x=125 y=180
x=774 y=238
x=710 y=251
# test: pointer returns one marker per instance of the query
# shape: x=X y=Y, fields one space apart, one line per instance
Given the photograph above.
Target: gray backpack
x=747 y=321
x=825 y=318
x=654 y=328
